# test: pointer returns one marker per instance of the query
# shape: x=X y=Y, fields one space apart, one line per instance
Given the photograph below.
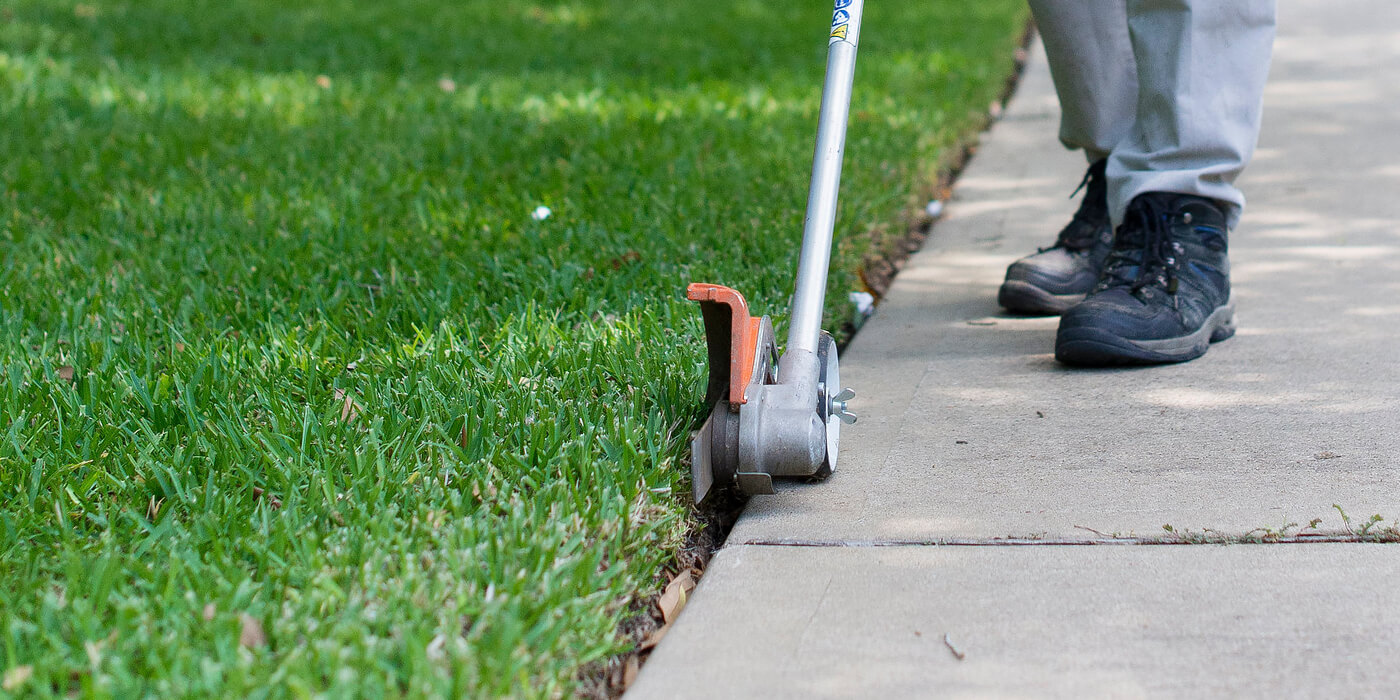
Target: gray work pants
x=1170 y=91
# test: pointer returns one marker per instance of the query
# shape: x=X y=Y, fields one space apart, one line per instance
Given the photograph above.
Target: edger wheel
x=831 y=403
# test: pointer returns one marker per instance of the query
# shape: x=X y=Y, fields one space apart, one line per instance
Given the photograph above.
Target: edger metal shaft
x=766 y=423
x=805 y=321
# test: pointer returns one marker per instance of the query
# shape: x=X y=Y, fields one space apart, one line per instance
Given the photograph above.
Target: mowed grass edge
x=297 y=397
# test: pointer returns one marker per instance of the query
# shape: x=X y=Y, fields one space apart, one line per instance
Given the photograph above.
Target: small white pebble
x=934 y=208
x=540 y=213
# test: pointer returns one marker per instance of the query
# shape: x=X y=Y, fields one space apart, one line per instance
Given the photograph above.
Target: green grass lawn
x=295 y=395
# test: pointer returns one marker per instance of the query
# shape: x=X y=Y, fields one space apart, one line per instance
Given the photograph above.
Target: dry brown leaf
x=654 y=638
x=179 y=347
x=16 y=677
x=629 y=673
x=251 y=635
x=65 y=373
x=673 y=599
x=349 y=410
x=273 y=501
x=209 y=611
x=958 y=654
x=626 y=258
x=480 y=493
x=671 y=602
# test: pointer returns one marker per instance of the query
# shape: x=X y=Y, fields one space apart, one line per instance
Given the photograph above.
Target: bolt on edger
x=781 y=416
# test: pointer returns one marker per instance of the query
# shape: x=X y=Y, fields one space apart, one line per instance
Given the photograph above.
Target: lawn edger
x=770 y=415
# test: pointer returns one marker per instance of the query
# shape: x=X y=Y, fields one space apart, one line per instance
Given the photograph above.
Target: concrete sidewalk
x=981 y=469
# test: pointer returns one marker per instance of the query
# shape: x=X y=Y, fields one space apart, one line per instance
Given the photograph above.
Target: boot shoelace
x=1160 y=254
x=1080 y=233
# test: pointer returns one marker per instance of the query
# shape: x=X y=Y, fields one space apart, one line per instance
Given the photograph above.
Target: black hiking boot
x=1058 y=277
x=1165 y=291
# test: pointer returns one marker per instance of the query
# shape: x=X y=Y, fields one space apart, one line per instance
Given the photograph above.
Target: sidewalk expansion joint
x=1050 y=542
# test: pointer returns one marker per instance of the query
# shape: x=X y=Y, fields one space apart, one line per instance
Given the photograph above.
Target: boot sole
x=1025 y=298
x=1092 y=347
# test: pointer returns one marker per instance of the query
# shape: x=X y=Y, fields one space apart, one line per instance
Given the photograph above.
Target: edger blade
x=731 y=337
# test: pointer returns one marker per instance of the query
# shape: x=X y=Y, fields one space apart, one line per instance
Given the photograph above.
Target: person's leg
x=1092 y=64
x=1091 y=61
x=1164 y=295
x=1201 y=68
